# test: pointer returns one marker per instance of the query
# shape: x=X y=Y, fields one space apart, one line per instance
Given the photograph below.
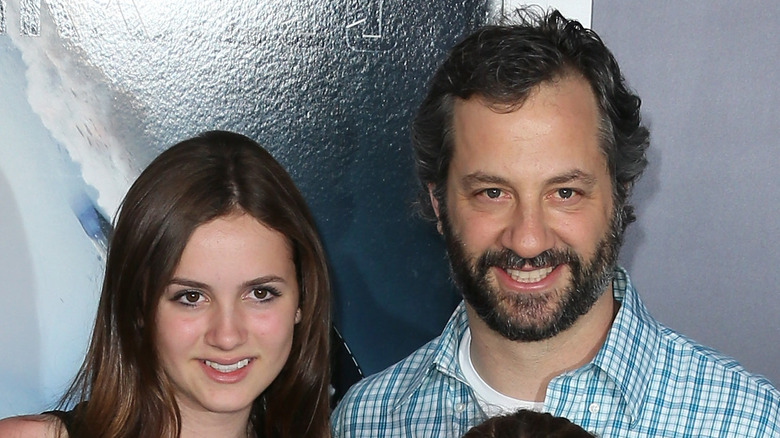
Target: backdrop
x=92 y=90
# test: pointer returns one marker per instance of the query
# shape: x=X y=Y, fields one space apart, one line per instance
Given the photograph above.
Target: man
x=527 y=145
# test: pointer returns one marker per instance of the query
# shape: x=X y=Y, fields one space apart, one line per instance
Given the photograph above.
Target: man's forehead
x=557 y=128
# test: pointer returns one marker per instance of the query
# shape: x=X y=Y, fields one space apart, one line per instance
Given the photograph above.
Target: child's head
x=527 y=424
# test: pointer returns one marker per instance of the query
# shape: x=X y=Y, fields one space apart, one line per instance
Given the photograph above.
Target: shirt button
x=593 y=408
x=460 y=407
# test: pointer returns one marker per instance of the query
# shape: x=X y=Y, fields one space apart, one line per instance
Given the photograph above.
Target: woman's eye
x=492 y=193
x=263 y=293
x=189 y=297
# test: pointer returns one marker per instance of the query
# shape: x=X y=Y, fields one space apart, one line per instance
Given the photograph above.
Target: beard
x=533 y=317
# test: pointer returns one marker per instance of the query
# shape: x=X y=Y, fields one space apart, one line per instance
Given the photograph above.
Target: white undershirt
x=491 y=401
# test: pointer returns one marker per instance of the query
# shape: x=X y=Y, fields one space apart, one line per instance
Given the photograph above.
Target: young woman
x=214 y=315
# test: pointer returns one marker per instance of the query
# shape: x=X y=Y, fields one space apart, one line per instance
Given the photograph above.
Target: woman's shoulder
x=32 y=426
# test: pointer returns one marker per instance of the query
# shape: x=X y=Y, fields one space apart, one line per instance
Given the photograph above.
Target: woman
x=214 y=314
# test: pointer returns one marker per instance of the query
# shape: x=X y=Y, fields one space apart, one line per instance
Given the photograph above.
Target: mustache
x=508 y=259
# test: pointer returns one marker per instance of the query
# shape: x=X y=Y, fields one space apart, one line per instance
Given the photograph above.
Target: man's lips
x=532 y=276
x=529 y=279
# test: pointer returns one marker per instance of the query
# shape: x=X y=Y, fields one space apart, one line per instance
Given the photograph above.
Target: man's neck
x=523 y=370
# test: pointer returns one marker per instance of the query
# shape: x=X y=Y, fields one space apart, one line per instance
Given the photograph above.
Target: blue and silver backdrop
x=92 y=90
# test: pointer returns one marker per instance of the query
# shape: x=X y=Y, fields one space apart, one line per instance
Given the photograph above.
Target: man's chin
x=527 y=325
x=525 y=333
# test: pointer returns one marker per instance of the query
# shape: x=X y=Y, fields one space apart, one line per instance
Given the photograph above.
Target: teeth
x=228 y=368
x=529 y=276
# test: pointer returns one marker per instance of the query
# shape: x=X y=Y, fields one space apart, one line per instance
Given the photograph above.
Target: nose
x=227 y=328
x=527 y=231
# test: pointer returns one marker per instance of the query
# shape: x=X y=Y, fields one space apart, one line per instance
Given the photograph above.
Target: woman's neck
x=200 y=424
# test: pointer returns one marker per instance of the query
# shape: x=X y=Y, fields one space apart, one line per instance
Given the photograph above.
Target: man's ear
x=435 y=205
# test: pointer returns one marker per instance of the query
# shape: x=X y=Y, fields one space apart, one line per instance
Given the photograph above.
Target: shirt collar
x=445 y=353
x=627 y=356
x=445 y=358
x=630 y=350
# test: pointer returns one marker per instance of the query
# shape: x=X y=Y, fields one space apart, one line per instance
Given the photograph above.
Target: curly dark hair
x=502 y=64
x=527 y=424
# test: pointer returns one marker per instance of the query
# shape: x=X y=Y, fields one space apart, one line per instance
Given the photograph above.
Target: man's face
x=528 y=220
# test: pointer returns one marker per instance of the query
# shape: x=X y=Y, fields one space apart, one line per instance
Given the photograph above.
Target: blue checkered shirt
x=645 y=381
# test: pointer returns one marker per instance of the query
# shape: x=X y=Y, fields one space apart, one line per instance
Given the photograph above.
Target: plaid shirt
x=645 y=381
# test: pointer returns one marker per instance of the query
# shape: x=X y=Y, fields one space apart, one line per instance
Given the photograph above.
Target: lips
x=521 y=270
x=533 y=276
x=227 y=368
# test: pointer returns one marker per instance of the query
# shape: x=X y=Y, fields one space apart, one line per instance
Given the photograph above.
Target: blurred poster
x=92 y=90
x=581 y=10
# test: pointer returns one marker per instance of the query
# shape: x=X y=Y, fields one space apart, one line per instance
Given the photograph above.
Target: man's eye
x=492 y=193
x=565 y=193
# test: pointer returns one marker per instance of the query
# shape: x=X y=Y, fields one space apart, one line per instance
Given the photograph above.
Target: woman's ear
x=298 y=315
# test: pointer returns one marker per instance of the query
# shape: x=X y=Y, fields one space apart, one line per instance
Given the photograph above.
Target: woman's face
x=225 y=321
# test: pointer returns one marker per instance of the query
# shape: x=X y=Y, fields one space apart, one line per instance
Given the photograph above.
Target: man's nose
x=527 y=231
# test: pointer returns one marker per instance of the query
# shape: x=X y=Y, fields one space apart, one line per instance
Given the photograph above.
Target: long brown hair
x=123 y=389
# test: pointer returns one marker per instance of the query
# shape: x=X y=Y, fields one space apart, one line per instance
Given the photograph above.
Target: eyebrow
x=573 y=175
x=254 y=282
x=478 y=178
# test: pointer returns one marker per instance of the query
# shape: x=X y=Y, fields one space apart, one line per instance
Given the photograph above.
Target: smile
x=227 y=368
x=529 y=276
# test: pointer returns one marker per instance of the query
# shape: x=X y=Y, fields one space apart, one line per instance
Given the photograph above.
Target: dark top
x=66 y=417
